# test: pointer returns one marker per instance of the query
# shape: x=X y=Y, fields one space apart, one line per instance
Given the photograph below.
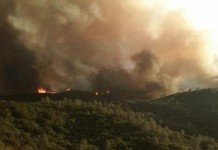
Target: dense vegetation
x=195 y=112
x=75 y=124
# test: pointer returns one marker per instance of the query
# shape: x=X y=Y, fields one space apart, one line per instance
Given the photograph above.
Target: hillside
x=195 y=112
x=76 y=124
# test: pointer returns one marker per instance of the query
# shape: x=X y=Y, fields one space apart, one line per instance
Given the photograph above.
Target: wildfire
x=41 y=90
x=107 y=92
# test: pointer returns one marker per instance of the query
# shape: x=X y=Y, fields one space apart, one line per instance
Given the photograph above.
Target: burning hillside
x=44 y=91
x=125 y=46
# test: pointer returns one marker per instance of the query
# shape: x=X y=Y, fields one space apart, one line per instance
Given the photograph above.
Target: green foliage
x=75 y=124
x=194 y=112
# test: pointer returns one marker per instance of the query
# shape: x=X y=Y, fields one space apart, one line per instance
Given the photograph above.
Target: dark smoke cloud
x=99 y=45
x=17 y=74
x=145 y=79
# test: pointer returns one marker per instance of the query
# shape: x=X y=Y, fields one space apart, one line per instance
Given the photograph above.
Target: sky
x=154 y=47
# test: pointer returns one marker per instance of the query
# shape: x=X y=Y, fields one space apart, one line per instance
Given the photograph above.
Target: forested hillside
x=76 y=124
x=195 y=112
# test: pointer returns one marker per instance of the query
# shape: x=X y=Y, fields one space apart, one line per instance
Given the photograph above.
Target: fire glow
x=43 y=91
x=107 y=92
x=157 y=47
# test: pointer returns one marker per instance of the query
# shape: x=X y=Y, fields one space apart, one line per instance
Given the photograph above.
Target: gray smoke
x=99 y=45
x=17 y=73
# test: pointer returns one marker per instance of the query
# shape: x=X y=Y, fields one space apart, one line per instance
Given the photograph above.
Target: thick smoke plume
x=112 y=45
x=16 y=68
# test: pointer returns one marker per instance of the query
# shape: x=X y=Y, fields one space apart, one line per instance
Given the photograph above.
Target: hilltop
x=62 y=121
x=195 y=112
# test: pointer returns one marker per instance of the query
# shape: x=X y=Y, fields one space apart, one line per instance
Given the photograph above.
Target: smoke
x=16 y=68
x=99 y=45
x=144 y=80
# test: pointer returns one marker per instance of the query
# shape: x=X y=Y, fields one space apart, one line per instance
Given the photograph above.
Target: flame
x=97 y=93
x=41 y=90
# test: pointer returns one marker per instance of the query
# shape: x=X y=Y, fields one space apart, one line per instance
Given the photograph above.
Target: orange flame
x=41 y=90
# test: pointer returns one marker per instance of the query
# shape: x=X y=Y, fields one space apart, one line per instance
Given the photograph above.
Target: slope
x=76 y=124
x=195 y=112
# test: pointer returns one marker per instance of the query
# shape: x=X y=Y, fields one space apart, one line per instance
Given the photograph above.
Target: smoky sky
x=17 y=74
x=99 y=45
